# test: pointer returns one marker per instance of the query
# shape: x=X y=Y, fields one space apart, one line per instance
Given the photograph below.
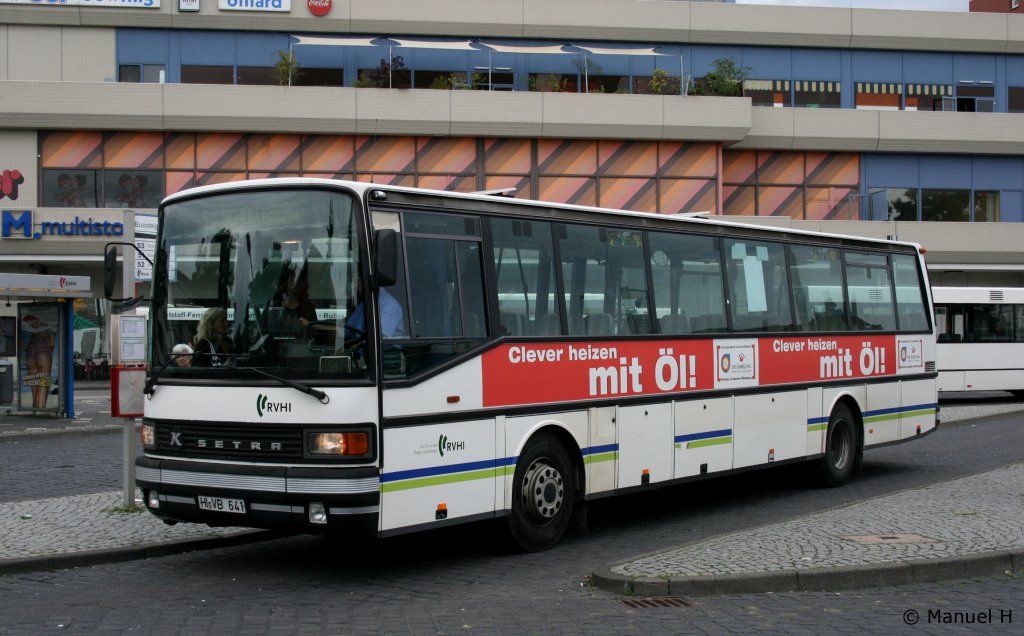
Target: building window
x=971 y=99
x=146 y=73
x=258 y=75
x=499 y=78
x=132 y=188
x=1016 y=99
x=320 y=77
x=945 y=205
x=197 y=74
x=892 y=204
x=878 y=96
x=929 y=97
x=986 y=206
x=397 y=76
x=439 y=79
x=816 y=94
x=553 y=83
x=71 y=188
x=608 y=84
x=773 y=93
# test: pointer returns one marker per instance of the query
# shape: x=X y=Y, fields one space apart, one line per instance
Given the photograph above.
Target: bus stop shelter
x=41 y=370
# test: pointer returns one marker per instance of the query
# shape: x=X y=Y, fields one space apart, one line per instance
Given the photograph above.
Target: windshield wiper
x=322 y=397
x=298 y=386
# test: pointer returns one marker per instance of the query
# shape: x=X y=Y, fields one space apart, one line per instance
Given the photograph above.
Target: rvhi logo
x=264 y=405
x=444 y=445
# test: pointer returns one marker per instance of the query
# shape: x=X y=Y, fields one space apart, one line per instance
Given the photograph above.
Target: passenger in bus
x=297 y=311
x=211 y=339
x=183 y=355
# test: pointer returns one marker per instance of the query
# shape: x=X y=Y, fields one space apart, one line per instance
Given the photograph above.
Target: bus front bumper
x=296 y=498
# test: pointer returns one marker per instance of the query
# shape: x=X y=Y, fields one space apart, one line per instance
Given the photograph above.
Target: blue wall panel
x=208 y=49
x=974 y=68
x=877 y=66
x=993 y=173
x=1011 y=204
x=945 y=171
x=817 y=64
x=766 y=63
x=258 y=49
x=142 y=46
x=891 y=171
x=928 y=68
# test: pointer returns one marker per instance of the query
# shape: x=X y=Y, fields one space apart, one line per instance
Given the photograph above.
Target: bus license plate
x=221 y=504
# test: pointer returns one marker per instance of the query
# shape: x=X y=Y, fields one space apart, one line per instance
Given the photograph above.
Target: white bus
x=980 y=338
x=514 y=358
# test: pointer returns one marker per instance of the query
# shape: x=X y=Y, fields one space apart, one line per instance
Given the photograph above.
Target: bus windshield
x=262 y=279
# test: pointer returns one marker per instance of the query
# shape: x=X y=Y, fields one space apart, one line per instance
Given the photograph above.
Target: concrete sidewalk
x=964 y=527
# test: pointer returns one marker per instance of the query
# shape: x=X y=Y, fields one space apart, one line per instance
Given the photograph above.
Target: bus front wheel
x=841 y=447
x=543 y=493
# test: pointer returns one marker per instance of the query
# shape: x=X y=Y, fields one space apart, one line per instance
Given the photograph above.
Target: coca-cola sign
x=319 y=8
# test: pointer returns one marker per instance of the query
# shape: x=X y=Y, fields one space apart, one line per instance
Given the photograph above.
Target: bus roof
x=361 y=188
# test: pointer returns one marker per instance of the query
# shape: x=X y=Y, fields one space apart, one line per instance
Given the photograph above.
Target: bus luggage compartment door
x=645 y=444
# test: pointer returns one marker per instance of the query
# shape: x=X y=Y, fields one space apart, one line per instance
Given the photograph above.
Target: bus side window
x=758 y=286
x=525 y=275
x=686 y=275
x=605 y=280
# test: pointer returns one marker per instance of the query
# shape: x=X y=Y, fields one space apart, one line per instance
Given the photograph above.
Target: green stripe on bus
x=817 y=427
x=487 y=473
x=601 y=457
x=714 y=441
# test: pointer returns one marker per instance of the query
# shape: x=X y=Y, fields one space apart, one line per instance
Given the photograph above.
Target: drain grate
x=880 y=539
x=656 y=602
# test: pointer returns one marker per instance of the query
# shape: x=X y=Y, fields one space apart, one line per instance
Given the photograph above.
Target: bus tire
x=543 y=494
x=842 y=448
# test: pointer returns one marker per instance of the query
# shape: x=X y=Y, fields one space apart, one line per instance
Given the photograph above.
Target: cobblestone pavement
x=977 y=514
x=964 y=516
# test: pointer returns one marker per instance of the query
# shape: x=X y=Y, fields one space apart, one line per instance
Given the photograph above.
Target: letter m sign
x=17 y=224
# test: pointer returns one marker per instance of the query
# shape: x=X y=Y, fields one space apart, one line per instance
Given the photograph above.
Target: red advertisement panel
x=538 y=373
x=533 y=373
x=812 y=358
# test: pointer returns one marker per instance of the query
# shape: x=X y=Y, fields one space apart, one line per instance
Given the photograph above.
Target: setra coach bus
x=340 y=356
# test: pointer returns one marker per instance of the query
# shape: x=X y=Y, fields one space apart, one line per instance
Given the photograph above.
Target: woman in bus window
x=211 y=339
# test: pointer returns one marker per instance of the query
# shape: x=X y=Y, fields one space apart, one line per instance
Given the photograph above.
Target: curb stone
x=1002 y=562
x=86 y=558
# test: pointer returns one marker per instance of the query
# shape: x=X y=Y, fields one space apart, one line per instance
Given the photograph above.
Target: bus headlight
x=148 y=433
x=348 y=444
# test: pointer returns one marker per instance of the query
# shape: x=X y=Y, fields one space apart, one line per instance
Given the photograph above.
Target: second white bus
x=980 y=338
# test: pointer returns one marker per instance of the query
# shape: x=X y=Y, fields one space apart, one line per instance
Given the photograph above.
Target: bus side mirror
x=386 y=263
x=109 y=271
x=110 y=274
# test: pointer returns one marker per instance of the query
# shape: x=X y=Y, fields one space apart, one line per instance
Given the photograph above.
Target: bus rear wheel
x=842 y=448
x=543 y=494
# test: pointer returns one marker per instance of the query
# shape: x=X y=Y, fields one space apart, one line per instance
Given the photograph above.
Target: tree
x=451 y=82
x=664 y=84
x=726 y=79
x=286 y=68
x=391 y=74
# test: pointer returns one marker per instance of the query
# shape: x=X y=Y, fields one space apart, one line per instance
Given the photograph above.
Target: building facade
x=870 y=122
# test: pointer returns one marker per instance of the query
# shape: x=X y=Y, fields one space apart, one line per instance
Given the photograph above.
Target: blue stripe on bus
x=705 y=435
x=593 y=450
x=447 y=470
x=898 y=409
